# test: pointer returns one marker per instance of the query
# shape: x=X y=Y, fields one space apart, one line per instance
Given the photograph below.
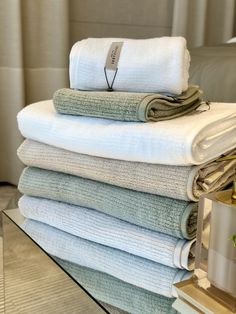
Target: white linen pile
x=141 y=161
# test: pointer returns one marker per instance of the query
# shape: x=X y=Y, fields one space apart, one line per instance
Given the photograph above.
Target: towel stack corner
x=116 y=176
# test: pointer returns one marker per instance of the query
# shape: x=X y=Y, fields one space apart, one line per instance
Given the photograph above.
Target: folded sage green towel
x=120 y=294
x=174 y=217
x=126 y=106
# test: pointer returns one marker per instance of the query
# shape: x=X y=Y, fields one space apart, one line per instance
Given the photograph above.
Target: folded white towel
x=135 y=270
x=145 y=65
x=191 y=139
x=104 y=229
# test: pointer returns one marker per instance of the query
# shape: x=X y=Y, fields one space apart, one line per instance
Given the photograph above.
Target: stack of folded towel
x=114 y=198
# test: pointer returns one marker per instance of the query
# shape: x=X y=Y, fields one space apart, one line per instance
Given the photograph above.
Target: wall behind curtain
x=123 y=18
x=201 y=22
x=34 y=37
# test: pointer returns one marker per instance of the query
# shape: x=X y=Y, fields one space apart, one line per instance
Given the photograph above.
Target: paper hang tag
x=113 y=56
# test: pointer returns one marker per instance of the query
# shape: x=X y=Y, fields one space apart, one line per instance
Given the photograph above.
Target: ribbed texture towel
x=95 y=226
x=145 y=65
x=186 y=183
x=118 y=293
x=135 y=270
x=191 y=139
x=126 y=106
x=162 y=214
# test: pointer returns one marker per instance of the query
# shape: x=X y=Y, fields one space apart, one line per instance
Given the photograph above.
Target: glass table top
x=31 y=281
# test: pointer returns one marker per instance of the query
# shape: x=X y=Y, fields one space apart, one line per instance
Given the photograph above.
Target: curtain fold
x=34 y=49
x=204 y=22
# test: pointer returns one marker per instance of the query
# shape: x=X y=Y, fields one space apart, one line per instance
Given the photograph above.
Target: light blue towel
x=132 y=269
x=95 y=226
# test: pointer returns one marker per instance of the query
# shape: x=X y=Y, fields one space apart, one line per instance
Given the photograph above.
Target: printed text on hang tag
x=113 y=56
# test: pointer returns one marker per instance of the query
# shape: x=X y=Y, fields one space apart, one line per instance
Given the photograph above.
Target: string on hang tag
x=112 y=60
x=110 y=87
x=203 y=107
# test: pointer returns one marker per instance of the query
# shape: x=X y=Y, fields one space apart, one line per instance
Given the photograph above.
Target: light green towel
x=126 y=106
x=174 y=217
x=118 y=293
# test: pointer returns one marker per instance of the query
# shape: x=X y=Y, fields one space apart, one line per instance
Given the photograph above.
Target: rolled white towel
x=144 y=65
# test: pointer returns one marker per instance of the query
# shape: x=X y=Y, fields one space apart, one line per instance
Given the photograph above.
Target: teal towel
x=174 y=217
x=118 y=293
x=126 y=106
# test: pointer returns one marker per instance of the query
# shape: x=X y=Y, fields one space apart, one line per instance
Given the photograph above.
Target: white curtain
x=34 y=48
x=204 y=22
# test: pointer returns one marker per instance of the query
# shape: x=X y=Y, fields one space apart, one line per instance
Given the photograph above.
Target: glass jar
x=215 y=265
